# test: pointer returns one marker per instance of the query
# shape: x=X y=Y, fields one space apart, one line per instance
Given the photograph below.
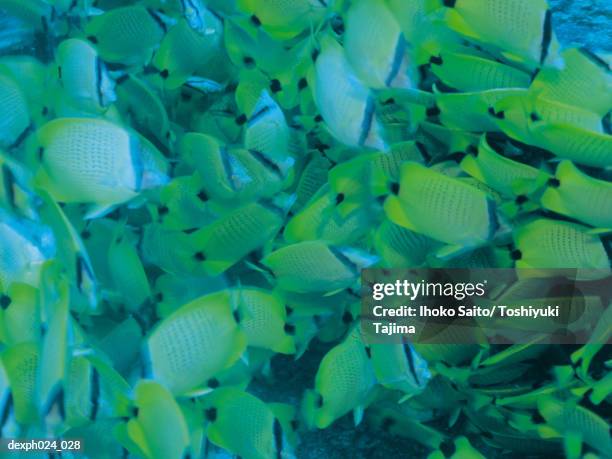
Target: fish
x=128 y=274
x=375 y=46
x=222 y=243
x=21 y=362
x=198 y=340
x=577 y=425
x=83 y=76
x=116 y=170
x=15 y=123
x=236 y=174
x=127 y=34
x=344 y=102
x=398 y=366
x=469 y=73
x=530 y=41
x=140 y=104
x=470 y=110
x=16 y=194
x=400 y=247
x=265 y=323
x=575 y=194
x=321 y=220
x=343 y=383
x=583 y=75
x=188 y=46
x=421 y=202
x=246 y=426
x=545 y=243
x=312 y=177
x=20 y=318
x=575 y=143
x=315 y=266
x=284 y=20
x=32 y=77
x=168 y=439
x=509 y=177
x=26 y=246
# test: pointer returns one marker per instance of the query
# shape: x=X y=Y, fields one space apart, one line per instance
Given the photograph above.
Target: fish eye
x=275 y=86
x=163 y=210
x=241 y=120
x=433 y=111
x=288 y=310
x=289 y=329
x=85 y=234
x=213 y=383
x=436 y=60
x=318 y=119
x=199 y=256
x=92 y=39
x=386 y=424
x=521 y=199
x=347 y=317
x=395 y=188
x=302 y=83
x=534 y=116
x=448 y=447
x=248 y=61
x=337 y=24
x=5 y=301
x=516 y=255
x=159 y=297
x=339 y=198
x=202 y=196
x=211 y=414
x=554 y=183
x=255 y=21
x=164 y=73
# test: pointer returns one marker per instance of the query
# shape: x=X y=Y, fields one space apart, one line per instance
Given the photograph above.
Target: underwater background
x=190 y=189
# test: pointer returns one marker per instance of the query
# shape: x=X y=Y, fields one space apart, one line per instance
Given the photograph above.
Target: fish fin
x=454 y=416
x=204 y=85
x=599 y=231
x=395 y=213
x=450 y=251
x=455 y=21
x=469 y=165
x=358 y=415
x=572 y=441
x=98 y=211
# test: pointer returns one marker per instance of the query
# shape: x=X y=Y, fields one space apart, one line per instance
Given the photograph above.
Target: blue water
x=584 y=23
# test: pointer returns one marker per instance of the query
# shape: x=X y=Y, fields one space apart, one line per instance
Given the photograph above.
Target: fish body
x=441 y=207
x=315 y=266
x=127 y=34
x=83 y=76
x=195 y=342
x=244 y=425
x=579 y=196
x=343 y=383
x=545 y=243
x=88 y=160
x=344 y=102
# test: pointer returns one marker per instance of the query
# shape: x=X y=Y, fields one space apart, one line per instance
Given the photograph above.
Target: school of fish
x=189 y=188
